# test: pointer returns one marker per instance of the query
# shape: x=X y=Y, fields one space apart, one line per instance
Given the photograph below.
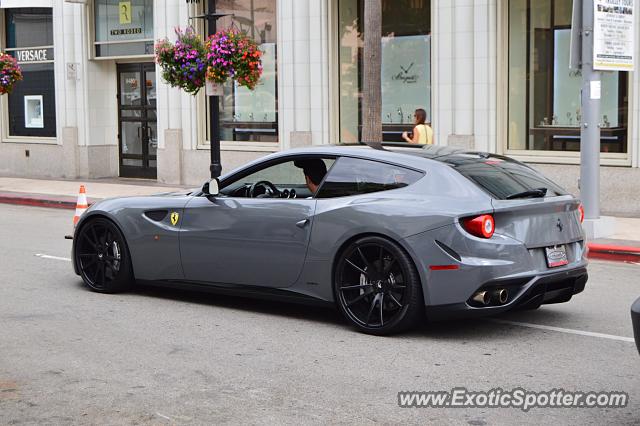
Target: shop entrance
x=137 y=120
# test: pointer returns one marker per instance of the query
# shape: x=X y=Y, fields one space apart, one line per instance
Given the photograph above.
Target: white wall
x=464 y=77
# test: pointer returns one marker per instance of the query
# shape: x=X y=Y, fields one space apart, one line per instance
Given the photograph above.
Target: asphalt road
x=157 y=356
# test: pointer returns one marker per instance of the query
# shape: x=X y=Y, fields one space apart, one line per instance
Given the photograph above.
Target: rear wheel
x=377 y=286
x=102 y=257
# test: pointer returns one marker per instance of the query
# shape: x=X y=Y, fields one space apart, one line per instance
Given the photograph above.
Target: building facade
x=492 y=75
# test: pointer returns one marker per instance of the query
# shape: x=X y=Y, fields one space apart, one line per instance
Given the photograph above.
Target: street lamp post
x=214 y=105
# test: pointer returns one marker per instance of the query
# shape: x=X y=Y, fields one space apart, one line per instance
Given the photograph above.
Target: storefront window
x=32 y=104
x=544 y=94
x=406 y=66
x=123 y=28
x=245 y=115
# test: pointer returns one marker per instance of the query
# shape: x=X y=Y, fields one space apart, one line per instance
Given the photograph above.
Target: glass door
x=137 y=120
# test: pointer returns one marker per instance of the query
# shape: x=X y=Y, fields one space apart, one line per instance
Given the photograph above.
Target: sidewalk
x=623 y=245
x=64 y=193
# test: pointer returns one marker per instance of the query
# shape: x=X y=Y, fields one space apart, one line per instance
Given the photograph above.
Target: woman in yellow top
x=422 y=133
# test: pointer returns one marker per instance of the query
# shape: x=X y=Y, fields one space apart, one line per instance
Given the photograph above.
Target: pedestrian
x=422 y=133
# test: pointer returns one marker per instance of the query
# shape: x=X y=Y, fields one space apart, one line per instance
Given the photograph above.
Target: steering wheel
x=270 y=189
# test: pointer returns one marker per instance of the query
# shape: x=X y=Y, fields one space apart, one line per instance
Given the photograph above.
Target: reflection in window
x=353 y=176
x=406 y=66
x=120 y=23
x=544 y=94
x=247 y=115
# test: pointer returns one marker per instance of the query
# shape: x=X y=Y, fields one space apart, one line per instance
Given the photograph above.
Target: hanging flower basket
x=184 y=63
x=232 y=54
x=10 y=73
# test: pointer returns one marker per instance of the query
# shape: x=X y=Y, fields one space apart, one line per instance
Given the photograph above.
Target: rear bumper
x=635 y=320
x=526 y=292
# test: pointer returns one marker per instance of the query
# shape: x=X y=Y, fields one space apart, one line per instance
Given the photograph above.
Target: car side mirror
x=211 y=188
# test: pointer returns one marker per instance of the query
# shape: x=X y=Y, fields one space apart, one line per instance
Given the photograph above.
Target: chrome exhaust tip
x=501 y=295
x=482 y=297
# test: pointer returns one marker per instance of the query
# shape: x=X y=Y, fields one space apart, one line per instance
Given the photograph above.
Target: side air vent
x=156 y=215
x=445 y=248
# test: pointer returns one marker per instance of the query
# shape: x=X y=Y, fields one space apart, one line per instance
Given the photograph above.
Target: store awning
x=6 y=4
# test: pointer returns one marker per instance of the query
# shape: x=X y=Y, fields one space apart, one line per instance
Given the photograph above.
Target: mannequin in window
x=422 y=132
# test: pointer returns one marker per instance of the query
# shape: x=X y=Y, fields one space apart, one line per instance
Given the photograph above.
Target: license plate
x=556 y=256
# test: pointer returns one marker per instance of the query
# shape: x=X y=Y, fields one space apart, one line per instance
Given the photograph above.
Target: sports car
x=391 y=236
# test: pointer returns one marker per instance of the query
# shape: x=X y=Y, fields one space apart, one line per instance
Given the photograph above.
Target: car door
x=236 y=239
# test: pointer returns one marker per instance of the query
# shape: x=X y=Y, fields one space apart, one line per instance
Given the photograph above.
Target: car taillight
x=481 y=226
x=581 y=211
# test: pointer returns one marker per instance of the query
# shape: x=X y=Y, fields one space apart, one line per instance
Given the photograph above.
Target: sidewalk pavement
x=623 y=245
x=64 y=193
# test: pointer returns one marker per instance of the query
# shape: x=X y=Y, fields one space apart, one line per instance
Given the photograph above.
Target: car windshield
x=502 y=177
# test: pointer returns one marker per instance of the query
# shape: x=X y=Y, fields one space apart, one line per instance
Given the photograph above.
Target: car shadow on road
x=490 y=328
x=467 y=330
x=244 y=303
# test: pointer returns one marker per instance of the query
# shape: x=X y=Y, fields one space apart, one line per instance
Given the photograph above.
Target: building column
x=464 y=81
x=303 y=85
x=484 y=75
x=174 y=108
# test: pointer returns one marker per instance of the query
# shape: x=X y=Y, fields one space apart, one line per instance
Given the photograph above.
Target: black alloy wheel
x=102 y=257
x=377 y=286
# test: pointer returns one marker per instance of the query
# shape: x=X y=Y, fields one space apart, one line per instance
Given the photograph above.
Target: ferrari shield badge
x=175 y=217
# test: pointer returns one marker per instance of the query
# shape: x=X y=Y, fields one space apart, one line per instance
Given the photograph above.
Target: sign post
x=590 y=127
x=601 y=40
x=214 y=106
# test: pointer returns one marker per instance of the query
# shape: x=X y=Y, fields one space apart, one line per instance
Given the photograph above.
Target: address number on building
x=126 y=31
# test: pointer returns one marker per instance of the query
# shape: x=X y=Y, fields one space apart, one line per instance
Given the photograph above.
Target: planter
x=233 y=55
x=10 y=73
x=183 y=64
x=191 y=63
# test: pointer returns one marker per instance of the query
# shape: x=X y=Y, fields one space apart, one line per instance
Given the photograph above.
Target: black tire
x=102 y=257
x=377 y=287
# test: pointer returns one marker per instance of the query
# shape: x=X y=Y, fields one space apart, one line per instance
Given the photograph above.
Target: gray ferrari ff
x=389 y=236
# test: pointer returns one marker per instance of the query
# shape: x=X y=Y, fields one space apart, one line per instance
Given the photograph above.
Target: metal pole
x=590 y=127
x=214 y=106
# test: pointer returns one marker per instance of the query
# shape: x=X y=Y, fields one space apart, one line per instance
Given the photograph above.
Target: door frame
x=145 y=171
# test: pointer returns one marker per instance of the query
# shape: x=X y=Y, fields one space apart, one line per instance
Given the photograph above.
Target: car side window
x=284 y=176
x=354 y=176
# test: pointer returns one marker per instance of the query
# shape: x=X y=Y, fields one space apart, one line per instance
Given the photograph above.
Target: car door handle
x=302 y=223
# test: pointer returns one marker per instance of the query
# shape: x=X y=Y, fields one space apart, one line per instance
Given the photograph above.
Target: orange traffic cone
x=81 y=205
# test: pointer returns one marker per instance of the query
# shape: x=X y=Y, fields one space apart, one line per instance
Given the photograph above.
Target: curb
x=34 y=201
x=613 y=252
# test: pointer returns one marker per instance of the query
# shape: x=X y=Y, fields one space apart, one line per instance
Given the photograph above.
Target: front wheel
x=102 y=257
x=377 y=287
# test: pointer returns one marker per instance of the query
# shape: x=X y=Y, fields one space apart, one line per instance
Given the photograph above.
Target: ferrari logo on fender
x=175 y=217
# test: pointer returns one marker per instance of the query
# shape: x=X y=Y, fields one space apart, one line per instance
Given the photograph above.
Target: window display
x=544 y=94
x=123 y=28
x=251 y=115
x=31 y=105
x=406 y=66
x=33 y=111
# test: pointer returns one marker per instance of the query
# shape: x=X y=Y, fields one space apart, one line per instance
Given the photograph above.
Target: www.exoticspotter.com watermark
x=515 y=398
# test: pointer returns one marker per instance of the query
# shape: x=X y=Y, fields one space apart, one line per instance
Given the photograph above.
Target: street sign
x=614 y=30
x=72 y=70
